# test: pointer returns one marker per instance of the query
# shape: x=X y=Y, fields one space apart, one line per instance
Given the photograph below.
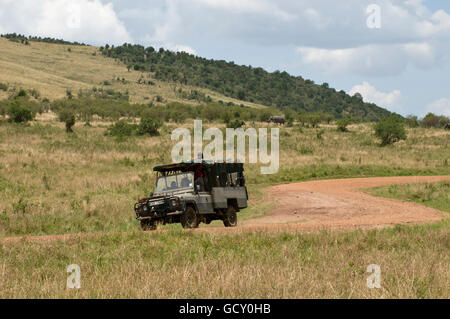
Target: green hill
x=245 y=83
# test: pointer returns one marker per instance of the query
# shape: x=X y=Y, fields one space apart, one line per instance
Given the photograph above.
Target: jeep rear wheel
x=230 y=217
x=147 y=225
x=190 y=218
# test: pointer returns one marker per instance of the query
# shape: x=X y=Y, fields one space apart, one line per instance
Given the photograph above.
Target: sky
x=395 y=53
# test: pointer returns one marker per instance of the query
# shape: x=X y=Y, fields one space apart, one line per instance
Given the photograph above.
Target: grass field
x=52 y=182
x=435 y=195
x=52 y=70
x=55 y=183
x=177 y=264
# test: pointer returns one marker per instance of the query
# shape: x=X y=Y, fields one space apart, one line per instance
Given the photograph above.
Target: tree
x=328 y=118
x=68 y=117
x=241 y=94
x=390 y=130
x=290 y=115
x=430 y=120
x=314 y=119
x=226 y=117
x=412 y=121
x=149 y=126
x=264 y=116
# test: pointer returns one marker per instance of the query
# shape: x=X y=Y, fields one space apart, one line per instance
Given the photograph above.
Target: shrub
x=236 y=124
x=390 y=130
x=320 y=134
x=19 y=114
x=21 y=93
x=3 y=87
x=35 y=93
x=149 y=126
x=68 y=117
x=121 y=129
x=226 y=117
x=264 y=116
x=342 y=125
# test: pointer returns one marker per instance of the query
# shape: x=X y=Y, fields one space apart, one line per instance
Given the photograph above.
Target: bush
x=390 y=130
x=342 y=125
x=264 y=115
x=121 y=129
x=3 y=87
x=21 y=93
x=19 y=114
x=236 y=124
x=68 y=117
x=149 y=126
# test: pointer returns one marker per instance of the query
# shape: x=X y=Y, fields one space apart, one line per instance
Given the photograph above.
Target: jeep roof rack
x=209 y=165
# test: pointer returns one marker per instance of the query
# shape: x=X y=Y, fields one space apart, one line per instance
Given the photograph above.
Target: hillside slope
x=52 y=69
x=277 y=89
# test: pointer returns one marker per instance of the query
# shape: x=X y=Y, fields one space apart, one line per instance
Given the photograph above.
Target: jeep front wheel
x=230 y=217
x=189 y=219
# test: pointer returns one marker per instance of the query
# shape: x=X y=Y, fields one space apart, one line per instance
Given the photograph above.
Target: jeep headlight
x=174 y=202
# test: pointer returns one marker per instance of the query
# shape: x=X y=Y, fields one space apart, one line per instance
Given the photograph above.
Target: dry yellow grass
x=52 y=69
x=53 y=183
x=413 y=261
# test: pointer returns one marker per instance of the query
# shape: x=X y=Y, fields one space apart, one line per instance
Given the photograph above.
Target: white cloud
x=249 y=6
x=367 y=60
x=440 y=107
x=181 y=48
x=83 y=20
x=370 y=94
x=329 y=35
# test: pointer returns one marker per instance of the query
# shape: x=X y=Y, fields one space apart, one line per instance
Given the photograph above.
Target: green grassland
x=52 y=182
x=436 y=195
x=87 y=182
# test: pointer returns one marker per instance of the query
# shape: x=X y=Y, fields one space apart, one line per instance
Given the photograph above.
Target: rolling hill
x=56 y=67
x=53 y=69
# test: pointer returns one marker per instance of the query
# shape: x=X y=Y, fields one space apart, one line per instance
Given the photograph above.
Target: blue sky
x=402 y=64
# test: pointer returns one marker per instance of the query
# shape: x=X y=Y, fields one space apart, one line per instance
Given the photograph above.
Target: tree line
x=277 y=89
x=26 y=39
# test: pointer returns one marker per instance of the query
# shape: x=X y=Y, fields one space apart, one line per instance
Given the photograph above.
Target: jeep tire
x=190 y=219
x=230 y=217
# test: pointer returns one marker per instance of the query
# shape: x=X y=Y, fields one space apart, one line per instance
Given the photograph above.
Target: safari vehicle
x=194 y=193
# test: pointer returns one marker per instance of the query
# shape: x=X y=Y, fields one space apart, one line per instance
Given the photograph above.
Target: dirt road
x=331 y=204
x=325 y=204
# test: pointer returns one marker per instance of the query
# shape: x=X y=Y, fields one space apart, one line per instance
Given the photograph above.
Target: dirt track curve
x=341 y=204
x=324 y=204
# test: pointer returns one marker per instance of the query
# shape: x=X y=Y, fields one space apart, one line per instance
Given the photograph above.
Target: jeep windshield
x=173 y=183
